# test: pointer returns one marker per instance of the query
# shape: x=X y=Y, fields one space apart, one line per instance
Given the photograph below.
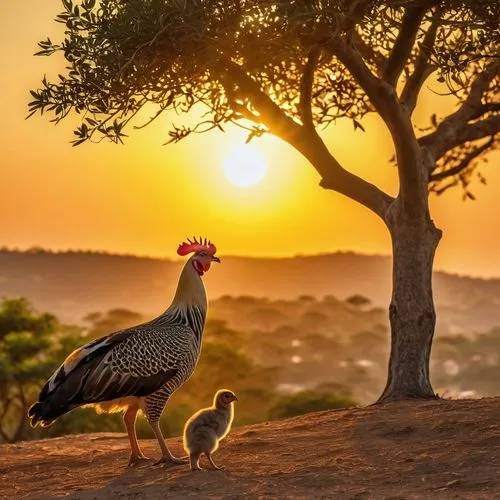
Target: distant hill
x=73 y=284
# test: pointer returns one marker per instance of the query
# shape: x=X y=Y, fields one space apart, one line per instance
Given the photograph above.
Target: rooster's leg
x=167 y=456
x=129 y=419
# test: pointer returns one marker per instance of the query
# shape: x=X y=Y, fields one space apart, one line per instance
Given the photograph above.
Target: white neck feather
x=190 y=289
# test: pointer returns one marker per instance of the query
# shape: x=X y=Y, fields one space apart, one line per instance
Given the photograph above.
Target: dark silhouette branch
x=403 y=45
x=308 y=142
x=357 y=10
x=423 y=68
x=470 y=105
x=464 y=163
x=439 y=145
x=368 y=52
x=307 y=87
x=243 y=87
x=446 y=135
x=486 y=108
x=412 y=175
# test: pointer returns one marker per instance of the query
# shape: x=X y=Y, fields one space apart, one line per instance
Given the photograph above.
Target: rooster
x=139 y=368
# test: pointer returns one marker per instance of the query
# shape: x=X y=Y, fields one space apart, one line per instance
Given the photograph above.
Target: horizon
x=176 y=258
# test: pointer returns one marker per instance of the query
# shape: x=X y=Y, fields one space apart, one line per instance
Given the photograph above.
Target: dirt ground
x=414 y=450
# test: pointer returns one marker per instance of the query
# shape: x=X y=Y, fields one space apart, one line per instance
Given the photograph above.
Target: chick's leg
x=129 y=418
x=194 y=460
x=212 y=463
x=167 y=456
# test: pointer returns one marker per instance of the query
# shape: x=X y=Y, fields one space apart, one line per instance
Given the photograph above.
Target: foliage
x=31 y=346
x=308 y=401
x=255 y=63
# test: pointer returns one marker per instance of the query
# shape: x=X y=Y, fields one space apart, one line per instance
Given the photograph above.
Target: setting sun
x=244 y=166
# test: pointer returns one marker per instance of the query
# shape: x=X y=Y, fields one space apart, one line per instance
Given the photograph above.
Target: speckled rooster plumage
x=138 y=368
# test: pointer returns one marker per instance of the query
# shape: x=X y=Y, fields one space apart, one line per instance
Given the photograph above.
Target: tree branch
x=238 y=83
x=423 y=69
x=486 y=108
x=307 y=87
x=473 y=100
x=367 y=52
x=357 y=10
x=403 y=45
x=412 y=174
x=307 y=142
x=463 y=164
x=466 y=133
x=454 y=128
x=468 y=110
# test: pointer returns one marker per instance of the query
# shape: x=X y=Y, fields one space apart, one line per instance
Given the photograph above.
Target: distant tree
x=218 y=331
x=313 y=322
x=112 y=321
x=306 y=299
x=367 y=343
x=29 y=350
x=308 y=401
x=290 y=68
x=330 y=300
x=358 y=301
x=266 y=318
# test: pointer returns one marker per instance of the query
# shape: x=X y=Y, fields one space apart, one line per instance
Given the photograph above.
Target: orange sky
x=143 y=197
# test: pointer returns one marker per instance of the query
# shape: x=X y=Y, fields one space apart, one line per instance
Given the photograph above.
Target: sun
x=245 y=167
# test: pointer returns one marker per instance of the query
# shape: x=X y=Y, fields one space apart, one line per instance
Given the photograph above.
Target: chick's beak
x=215 y=259
x=235 y=398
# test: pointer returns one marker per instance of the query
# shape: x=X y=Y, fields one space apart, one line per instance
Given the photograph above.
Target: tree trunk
x=411 y=312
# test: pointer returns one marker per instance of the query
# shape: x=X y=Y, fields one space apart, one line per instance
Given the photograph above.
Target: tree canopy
x=279 y=66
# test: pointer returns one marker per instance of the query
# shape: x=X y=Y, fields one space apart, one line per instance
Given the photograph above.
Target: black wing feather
x=92 y=381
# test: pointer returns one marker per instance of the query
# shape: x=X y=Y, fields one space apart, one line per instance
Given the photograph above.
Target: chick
x=207 y=427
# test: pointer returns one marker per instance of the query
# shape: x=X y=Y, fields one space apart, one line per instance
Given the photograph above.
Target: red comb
x=196 y=246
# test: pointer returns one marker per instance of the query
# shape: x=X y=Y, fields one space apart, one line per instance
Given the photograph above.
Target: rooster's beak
x=215 y=259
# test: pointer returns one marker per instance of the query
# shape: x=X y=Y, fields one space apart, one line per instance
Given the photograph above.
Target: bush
x=307 y=402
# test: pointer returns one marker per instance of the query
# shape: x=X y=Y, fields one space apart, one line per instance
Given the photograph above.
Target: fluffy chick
x=207 y=427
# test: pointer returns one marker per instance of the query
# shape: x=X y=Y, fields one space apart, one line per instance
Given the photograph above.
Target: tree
x=358 y=301
x=27 y=354
x=290 y=68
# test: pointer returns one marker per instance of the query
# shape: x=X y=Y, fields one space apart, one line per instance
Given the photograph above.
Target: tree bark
x=412 y=314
